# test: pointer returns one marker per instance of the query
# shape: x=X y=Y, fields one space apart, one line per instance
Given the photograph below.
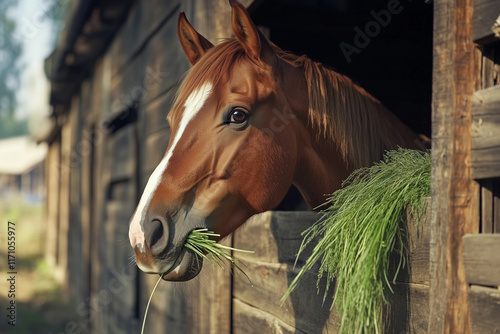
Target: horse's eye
x=237 y=116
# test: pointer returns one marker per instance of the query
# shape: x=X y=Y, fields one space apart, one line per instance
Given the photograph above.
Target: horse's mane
x=346 y=114
x=340 y=110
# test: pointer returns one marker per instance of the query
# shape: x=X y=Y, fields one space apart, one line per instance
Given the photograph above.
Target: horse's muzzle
x=164 y=250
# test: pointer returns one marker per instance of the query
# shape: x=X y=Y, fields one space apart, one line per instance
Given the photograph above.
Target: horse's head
x=232 y=150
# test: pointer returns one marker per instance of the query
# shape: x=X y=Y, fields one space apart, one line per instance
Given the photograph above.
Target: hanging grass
x=359 y=232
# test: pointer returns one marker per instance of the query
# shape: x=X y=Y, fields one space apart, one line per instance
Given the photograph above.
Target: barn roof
x=19 y=155
x=89 y=27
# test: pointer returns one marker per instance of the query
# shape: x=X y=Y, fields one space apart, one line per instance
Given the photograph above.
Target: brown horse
x=249 y=120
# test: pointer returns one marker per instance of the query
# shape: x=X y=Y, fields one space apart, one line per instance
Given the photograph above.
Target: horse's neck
x=324 y=162
x=320 y=170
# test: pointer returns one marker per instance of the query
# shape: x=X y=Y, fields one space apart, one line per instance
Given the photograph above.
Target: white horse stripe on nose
x=192 y=106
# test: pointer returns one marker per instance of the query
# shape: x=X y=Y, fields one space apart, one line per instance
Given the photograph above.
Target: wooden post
x=454 y=193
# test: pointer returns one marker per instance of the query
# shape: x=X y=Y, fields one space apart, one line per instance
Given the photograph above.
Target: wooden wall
x=481 y=250
x=465 y=179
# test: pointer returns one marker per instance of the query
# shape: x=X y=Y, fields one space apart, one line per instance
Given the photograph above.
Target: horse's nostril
x=156 y=236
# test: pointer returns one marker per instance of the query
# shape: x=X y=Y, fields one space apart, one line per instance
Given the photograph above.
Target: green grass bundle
x=359 y=232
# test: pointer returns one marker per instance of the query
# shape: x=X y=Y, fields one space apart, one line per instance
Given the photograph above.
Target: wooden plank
x=64 y=198
x=276 y=237
x=155 y=147
x=119 y=278
x=482 y=258
x=163 y=67
x=488 y=76
x=486 y=133
x=485 y=14
x=52 y=170
x=75 y=247
x=86 y=214
x=454 y=202
x=486 y=206
x=496 y=205
x=485 y=162
x=122 y=159
x=144 y=20
x=304 y=308
x=209 y=302
x=418 y=250
x=249 y=319
x=408 y=309
x=478 y=65
x=484 y=310
x=167 y=311
x=154 y=114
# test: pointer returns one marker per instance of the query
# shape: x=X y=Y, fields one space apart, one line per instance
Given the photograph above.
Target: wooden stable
x=114 y=74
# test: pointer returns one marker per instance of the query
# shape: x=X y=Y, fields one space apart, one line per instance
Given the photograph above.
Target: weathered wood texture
x=487 y=71
x=482 y=258
x=486 y=133
x=487 y=208
x=275 y=237
x=454 y=205
x=408 y=309
x=417 y=256
x=484 y=310
x=52 y=165
x=496 y=206
x=485 y=15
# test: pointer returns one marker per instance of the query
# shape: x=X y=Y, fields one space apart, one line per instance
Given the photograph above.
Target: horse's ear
x=193 y=44
x=253 y=41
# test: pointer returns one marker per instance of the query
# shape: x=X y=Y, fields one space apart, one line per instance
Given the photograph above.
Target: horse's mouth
x=187 y=266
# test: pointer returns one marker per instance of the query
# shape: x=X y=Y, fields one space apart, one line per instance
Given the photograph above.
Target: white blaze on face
x=192 y=105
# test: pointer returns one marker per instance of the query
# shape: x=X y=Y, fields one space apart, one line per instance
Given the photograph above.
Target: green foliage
x=56 y=12
x=10 y=51
x=360 y=231
x=10 y=127
x=10 y=72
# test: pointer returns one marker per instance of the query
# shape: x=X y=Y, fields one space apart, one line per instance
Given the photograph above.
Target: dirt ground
x=41 y=306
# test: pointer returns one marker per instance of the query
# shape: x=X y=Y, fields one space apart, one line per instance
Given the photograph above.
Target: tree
x=10 y=70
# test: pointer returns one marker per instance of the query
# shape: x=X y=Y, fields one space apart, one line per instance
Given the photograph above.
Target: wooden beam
x=486 y=133
x=454 y=207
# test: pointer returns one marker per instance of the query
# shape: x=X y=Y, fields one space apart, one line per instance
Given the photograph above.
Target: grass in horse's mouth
x=200 y=243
